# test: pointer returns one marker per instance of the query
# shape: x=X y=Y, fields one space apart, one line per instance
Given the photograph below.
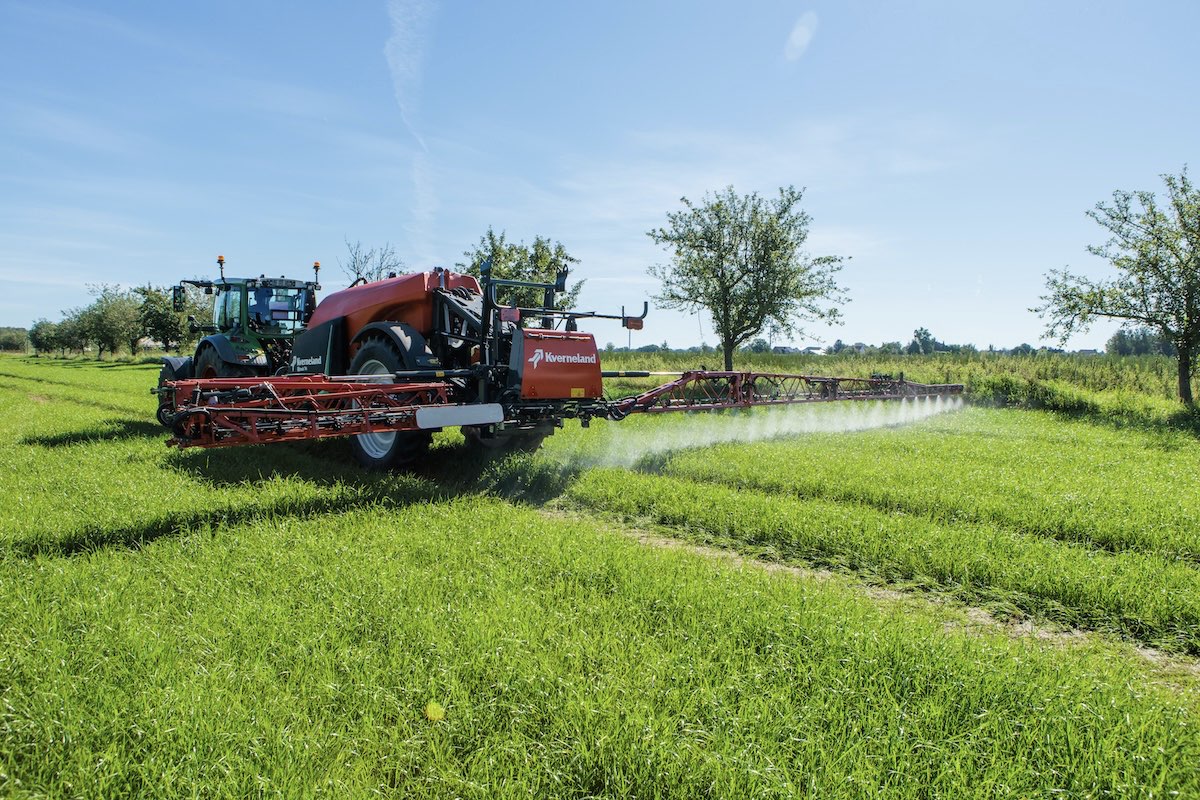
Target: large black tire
x=210 y=365
x=394 y=449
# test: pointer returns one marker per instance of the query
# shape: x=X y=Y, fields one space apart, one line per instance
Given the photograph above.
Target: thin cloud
x=801 y=36
x=76 y=130
x=405 y=51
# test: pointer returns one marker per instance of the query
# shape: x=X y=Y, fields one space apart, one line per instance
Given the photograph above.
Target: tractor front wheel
x=386 y=449
x=210 y=365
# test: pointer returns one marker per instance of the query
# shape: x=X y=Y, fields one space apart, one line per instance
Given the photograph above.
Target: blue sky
x=949 y=148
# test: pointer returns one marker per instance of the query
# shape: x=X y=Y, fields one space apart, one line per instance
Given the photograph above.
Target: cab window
x=229 y=311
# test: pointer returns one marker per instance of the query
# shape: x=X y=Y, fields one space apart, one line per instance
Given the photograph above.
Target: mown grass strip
x=297 y=657
x=1141 y=596
x=1028 y=471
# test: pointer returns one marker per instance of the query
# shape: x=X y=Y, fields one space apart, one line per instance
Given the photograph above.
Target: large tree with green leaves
x=113 y=319
x=742 y=259
x=538 y=263
x=1155 y=248
x=159 y=320
x=44 y=336
x=74 y=332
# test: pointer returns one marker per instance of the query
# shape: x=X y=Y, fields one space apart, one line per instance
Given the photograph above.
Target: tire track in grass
x=1066 y=532
x=1176 y=671
x=46 y=394
x=1143 y=597
x=772 y=471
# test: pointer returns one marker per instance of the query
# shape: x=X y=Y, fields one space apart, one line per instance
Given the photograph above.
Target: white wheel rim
x=376 y=445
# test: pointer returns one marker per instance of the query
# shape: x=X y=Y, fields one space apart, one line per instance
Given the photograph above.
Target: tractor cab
x=252 y=329
x=258 y=307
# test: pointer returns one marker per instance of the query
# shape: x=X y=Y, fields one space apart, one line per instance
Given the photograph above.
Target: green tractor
x=254 y=325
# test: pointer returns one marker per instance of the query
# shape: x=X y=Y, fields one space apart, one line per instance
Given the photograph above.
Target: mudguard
x=220 y=342
x=414 y=351
x=321 y=349
x=175 y=368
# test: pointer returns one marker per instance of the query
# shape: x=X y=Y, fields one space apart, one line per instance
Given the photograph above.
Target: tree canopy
x=13 y=339
x=538 y=263
x=158 y=318
x=44 y=336
x=741 y=258
x=1138 y=341
x=1155 y=249
x=118 y=318
x=922 y=342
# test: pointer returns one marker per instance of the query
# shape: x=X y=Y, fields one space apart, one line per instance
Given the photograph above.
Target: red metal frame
x=712 y=390
x=223 y=412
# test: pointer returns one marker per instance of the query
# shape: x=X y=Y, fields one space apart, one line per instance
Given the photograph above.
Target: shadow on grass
x=450 y=472
x=456 y=469
x=139 y=365
x=107 y=431
x=184 y=521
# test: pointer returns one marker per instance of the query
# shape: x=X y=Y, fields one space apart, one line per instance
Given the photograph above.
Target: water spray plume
x=623 y=446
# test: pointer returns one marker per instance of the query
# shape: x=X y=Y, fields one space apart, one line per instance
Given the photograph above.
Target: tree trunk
x=728 y=348
x=1185 y=375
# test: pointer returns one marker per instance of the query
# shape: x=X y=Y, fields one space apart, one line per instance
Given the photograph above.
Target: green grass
x=1026 y=471
x=272 y=622
x=294 y=657
x=1142 y=596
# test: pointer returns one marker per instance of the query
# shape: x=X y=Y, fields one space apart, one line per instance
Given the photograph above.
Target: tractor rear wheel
x=210 y=365
x=386 y=449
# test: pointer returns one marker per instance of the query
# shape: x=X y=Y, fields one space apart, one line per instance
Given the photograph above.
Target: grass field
x=985 y=603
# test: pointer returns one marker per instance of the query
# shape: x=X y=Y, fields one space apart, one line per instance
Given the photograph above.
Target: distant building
x=783 y=350
x=1089 y=352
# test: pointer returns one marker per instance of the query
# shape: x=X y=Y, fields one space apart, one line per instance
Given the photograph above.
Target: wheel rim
x=376 y=445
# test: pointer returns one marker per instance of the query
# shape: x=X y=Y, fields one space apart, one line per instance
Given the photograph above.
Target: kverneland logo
x=541 y=355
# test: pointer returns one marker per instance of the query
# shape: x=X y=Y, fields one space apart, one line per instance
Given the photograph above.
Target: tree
x=43 y=335
x=14 y=339
x=113 y=319
x=922 y=342
x=1139 y=341
x=371 y=265
x=740 y=258
x=159 y=320
x=1156 y=251
x=73 y=332
x=539 y=262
